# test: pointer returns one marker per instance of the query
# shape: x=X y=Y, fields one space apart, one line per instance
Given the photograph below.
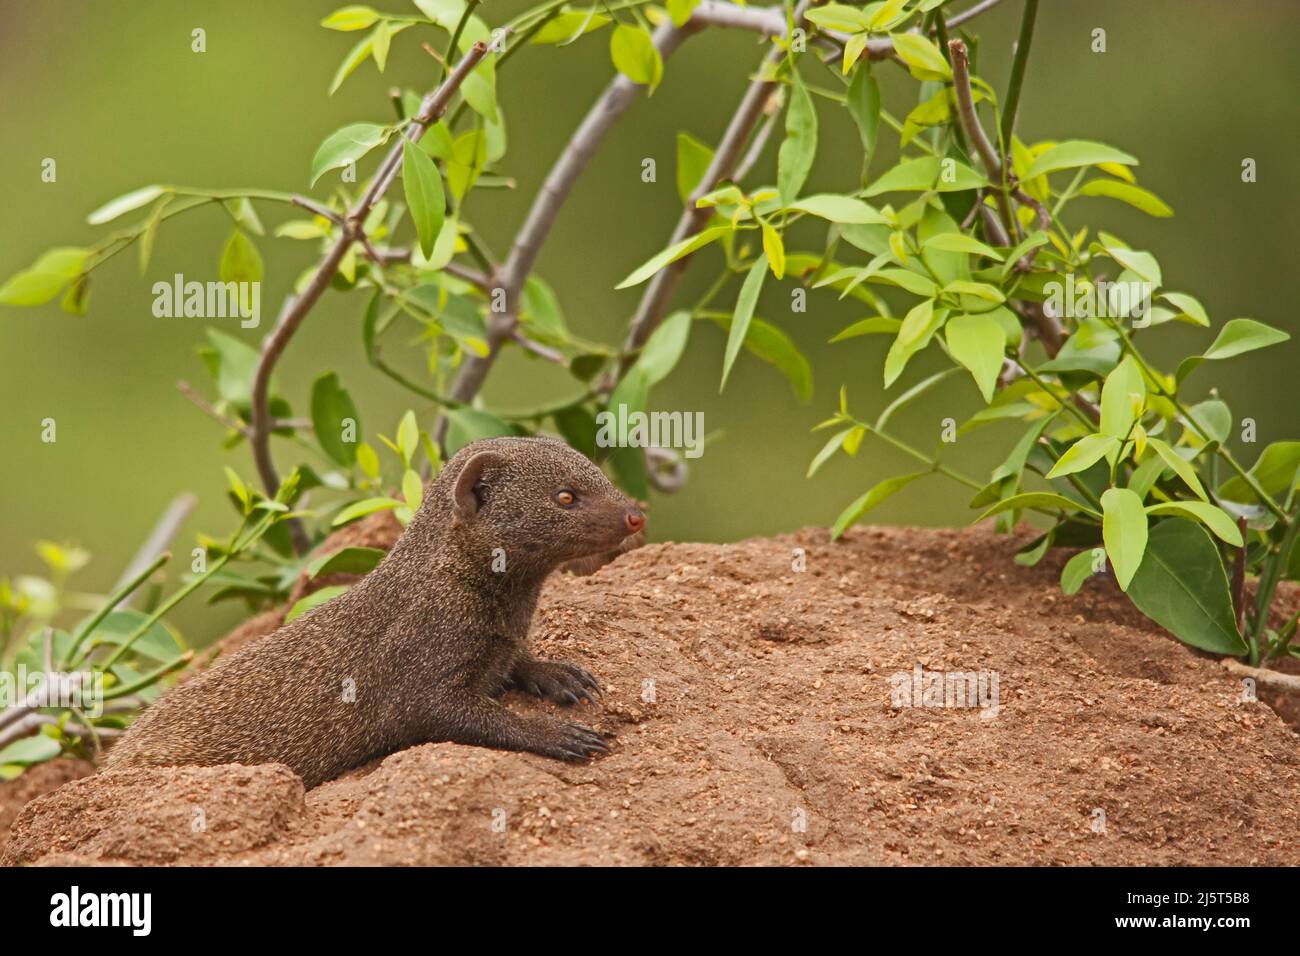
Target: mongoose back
x=419 y=649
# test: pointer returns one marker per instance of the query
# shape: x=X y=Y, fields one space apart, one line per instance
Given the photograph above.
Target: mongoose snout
x=420 y=649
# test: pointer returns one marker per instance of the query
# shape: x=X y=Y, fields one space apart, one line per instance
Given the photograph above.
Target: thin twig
x=313 y=206
x=538 y=349
x=466 y=274
x=186 y=389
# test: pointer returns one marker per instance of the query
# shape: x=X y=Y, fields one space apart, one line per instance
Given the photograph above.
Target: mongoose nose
x=635 y=520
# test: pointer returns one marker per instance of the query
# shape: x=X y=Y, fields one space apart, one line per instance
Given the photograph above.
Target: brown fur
x=427 y=640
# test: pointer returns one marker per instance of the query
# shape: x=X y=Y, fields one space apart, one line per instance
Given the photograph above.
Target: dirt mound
x=752 y=708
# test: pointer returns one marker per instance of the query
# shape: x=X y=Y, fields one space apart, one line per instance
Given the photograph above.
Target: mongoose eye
x=566 y=498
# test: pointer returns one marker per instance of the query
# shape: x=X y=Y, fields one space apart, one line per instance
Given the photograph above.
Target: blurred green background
x=113 y=93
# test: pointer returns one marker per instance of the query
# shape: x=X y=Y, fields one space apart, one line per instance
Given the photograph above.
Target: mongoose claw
x=569 y=741
x=559 y=681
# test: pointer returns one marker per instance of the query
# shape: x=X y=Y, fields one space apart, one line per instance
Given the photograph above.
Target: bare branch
x=960 y=59
x=1263 y=676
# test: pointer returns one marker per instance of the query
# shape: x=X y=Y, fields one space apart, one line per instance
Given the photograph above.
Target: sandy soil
x=751 y=705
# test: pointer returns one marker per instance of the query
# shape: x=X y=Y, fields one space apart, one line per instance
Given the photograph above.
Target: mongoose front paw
x=565 y=740
x=559 y=681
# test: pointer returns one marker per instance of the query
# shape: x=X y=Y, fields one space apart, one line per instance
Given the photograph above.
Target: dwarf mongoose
x=419 y=649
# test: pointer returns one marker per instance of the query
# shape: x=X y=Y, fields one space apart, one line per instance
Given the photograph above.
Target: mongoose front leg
x=483 y=722
x=559 y=681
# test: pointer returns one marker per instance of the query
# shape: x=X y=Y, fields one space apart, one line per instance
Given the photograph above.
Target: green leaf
x=331 y=407
x=424 y=196
x=124 y=204
x=925 y=173
x=1274 y=470
x=831 y=447
x=408 y=437
x=346 y=145
x=1074 y=153
x=913 y=282
x=240 y=260
x=665 y=347
x=1037 y=501
x=1182 y=586
x=770 y=344
x=978 y=343
x=746 y=302
x=1124 y=530
x=158 y=642
x=315 y=600
x=1031 y=241
x=151 y=233
x=379 y=41
x=1212 y=516
x=795 y=158
x=922 y=57
x=1077 y=570
x=911 y=395
x=838 y=209
x=863 y=102
x=468 y=157
x=1243 y=335
x=362 y=508
x=980 y=290
x=886 y=15
x=45 y=278
x=346 y=561
x=1236 y=337
x=1144 y=264
x=919 y=326
x=635 y=56
x=1083 y=454
x=837 y=16
x=674 y=252
x=1135 y=196
x=568 y=26
x=234 y=365
x=1188 y=308
x=1117 y=397
x=693 y=159
x=681 y=10
x=412 y=489
x=1179 y=465
x=877 y=324
x=26 y=751
x=480 y=85
x=959 y=242
x=858 y=509
x=350 y=18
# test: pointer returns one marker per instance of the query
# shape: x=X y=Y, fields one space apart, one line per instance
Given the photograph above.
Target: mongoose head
x=540 y=500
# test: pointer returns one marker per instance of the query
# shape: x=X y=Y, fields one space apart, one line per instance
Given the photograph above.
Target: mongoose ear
x=466 y=501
